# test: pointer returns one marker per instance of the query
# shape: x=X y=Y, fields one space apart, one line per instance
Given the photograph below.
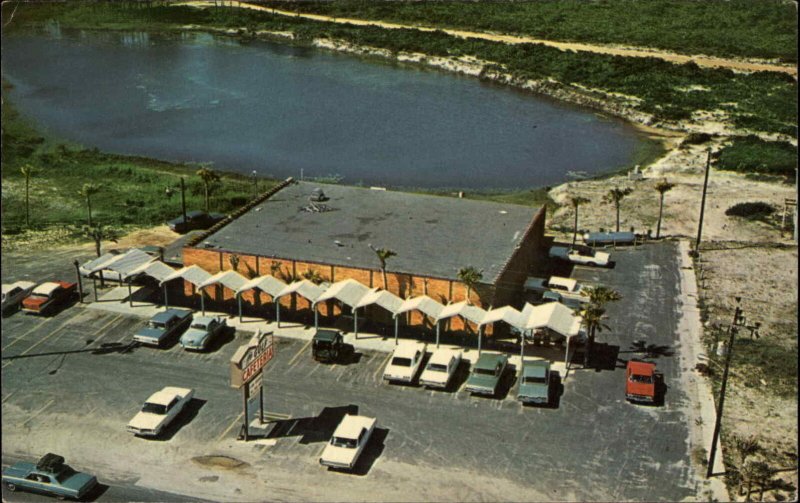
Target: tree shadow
x=604 y=357
x=186 y=416
x=649 y=350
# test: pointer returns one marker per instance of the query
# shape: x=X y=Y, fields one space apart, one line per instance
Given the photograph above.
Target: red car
x=640 y=382
x=47 y=296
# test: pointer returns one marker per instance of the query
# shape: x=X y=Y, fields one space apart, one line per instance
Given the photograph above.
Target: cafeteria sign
x=248 y=361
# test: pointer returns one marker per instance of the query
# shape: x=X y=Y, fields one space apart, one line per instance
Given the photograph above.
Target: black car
x=327 y=345
x=194 y=220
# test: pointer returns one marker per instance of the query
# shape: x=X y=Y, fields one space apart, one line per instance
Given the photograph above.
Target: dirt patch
x=225 y=462
x=153 y=236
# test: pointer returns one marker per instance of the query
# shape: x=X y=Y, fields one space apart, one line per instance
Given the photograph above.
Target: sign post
x=247 y=365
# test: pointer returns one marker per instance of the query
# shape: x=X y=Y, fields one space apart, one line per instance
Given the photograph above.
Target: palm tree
x=745 y=447
x=27 y=171
x=234 y=260
x=615 y=196
x=662 y=187
x=208 y=176
x=383 y=254
x=594 y=313
x=313 y=276
x=100 y=233
x=87 y=191
x=470 y=277
x=576 y=201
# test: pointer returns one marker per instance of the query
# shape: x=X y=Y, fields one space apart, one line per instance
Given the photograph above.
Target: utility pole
x=255 y=183
x=702 y=206
x=183 y=199
x=795 y=205
x=738 y=320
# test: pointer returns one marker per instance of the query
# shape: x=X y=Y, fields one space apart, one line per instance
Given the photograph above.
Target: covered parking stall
x=195 y=276
x=268 y=284
x=157 y=270
x=303 y=288
x=425 y=305
x=349 y=292
x=466 y=311
x=121 y=267
x=386 y=300
x=231 y=280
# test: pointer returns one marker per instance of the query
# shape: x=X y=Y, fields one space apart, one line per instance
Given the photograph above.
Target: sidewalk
x=116 y=301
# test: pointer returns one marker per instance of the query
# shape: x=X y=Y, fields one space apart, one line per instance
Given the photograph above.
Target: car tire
x=592 y=264
x=11 y=487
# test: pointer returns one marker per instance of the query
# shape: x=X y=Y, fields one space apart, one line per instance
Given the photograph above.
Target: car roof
x=536 y=368
x=565 y=282
x=165 y=396
x=19 y=284
x=194 y=213
x=351 y=426
x=46 y=288
x=165 y=316
x=642 y=368
x=325 y=335
x=442 y=356
x=205 y=320
x=407 y=349
x=488 y=360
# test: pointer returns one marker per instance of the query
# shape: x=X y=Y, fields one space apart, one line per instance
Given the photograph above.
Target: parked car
x=640 y=382
x=348 y=442
x=202 y=331
x=159 y=410
x=486 y=374
x=194 y=220
x=581 y=255
x=609 y=238
x=49 y=476
x=47 y=296
x=440 y=368
x=566 y=287
x=15 y=292
x=534 y=386
x=405 y=362
x=162 y=326
x=327 y=345
x=570 y=302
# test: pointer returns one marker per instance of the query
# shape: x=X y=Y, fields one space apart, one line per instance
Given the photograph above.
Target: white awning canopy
x=193 y=274
x=467 y=311
x=229 y=279
x=506 y=313
x=423 y=304
x=157 y=270
x=554 y=316
x=349 y=292
x=303 y=288
x=386 y=300
x=122 y=264
x=267 y=284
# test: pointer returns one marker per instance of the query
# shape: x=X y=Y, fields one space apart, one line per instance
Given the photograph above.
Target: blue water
x=279 y=109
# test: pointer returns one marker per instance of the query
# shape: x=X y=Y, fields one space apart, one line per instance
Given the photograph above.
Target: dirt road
x=633 y=52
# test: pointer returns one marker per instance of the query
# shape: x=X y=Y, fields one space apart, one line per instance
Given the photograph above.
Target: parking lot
x=71 y=382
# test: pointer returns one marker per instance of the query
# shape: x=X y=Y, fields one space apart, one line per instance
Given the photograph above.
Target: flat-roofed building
x=330 y=233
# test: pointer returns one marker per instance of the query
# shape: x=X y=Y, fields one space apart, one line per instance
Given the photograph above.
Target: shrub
x=696 y=139
x=751 y=154
x=753 y=211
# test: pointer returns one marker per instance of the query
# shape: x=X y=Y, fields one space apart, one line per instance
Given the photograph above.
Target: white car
x=159 y=410
x=581 y=255
x=568 y=288
x=348 y=441
x=440 y=368
x=405 y=362
x=15 y=292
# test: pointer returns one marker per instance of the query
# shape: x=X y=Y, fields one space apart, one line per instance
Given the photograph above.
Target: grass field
x=763 y=29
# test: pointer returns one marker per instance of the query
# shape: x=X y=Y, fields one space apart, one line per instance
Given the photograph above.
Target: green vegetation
x=769 y=360
x=765 y=29
x=755 y=211
x=764 y=102
x=133 y=191
x=751 y=154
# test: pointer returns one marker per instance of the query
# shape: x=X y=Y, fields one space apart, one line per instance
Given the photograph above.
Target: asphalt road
x=591 y=445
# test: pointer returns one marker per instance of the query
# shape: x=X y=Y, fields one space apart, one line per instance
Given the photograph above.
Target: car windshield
x=642 y=379
x=66 y=473
x=350 y=443
x=154 y=408
x=484 y=371
x=155 y=324
x=322 y=344
x=199 y=326
x=437 y=367
x=401 y=362
x=535 y=380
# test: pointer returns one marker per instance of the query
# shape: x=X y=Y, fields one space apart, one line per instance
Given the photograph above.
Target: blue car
x=49 y=476
x=202 y=331
x=163 y=326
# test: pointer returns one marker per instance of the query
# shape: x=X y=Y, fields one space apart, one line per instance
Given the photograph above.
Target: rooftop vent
x=318 y=196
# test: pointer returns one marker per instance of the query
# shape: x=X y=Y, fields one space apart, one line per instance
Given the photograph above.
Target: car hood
x=78 y=481
x=336 y=454
x=194 y=336
x=533 y=390
x=482 y=381
x=146 y=420
x=639 y=388
x=150 y=332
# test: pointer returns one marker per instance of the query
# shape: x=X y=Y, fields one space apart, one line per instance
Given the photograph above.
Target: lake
x=280 y=109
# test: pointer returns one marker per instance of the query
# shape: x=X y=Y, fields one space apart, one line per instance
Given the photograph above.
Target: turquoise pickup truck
x=49 y=476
